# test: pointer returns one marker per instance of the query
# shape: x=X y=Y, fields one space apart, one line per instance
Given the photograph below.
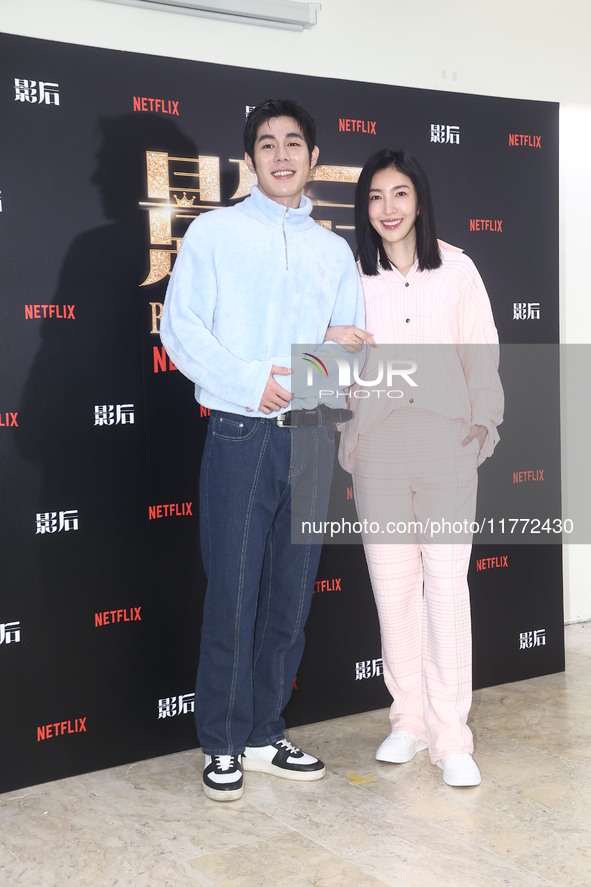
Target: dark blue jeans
x=259 y=584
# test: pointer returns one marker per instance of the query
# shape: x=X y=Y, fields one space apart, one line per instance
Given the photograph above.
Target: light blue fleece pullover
x=251 y=281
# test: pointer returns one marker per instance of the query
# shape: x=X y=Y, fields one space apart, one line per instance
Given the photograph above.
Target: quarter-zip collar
x=269 y=212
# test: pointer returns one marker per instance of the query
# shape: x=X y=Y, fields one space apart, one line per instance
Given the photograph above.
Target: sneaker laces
x=224 y=762
x=291 y=748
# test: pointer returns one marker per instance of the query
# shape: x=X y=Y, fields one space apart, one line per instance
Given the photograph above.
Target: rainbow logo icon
x=316 y=363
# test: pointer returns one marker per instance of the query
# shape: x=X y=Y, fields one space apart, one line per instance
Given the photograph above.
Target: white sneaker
x=400 y=747
x=283 y=759
x=459 y=770
x=222 y=777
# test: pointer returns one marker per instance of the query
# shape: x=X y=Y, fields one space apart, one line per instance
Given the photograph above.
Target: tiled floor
x=366 y=824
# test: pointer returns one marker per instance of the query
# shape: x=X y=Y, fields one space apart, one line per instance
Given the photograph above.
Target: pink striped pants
x=413 y=468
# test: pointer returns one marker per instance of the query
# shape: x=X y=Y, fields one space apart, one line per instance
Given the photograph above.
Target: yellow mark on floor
x=357 y=780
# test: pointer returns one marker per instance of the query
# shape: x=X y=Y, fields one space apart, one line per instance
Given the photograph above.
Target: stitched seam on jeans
x=232 y=695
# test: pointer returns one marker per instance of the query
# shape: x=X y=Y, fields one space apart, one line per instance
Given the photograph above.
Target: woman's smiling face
x=393 y=206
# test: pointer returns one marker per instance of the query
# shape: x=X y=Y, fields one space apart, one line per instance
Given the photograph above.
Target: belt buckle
x=280 y=420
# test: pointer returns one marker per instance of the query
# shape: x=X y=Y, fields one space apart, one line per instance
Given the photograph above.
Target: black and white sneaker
x=283 y=759
x=222 y=777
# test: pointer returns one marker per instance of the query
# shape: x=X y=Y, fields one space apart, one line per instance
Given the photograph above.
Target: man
x=250 y=281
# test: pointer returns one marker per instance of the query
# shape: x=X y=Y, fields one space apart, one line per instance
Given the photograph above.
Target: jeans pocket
x=232 y=427
x=329 y=432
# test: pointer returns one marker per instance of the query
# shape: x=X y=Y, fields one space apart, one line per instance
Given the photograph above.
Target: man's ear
x=314 y=156
x=249 y=162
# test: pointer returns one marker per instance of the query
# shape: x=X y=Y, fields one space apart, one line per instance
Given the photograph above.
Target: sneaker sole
x=460 y=782
x=216 y=794
x=256 y=766
x=390 y=759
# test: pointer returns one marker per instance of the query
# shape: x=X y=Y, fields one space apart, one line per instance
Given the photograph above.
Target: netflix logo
x=61 y=728
x=149 y=105
x=113 y=617
x=522 y=140
x=170 y=509
x=492 y=563
x=348 y=124
x=42 y=312
x=161 y=361
x=323 y=585
x=533 y=475
x=493 y=225
x=9 y=420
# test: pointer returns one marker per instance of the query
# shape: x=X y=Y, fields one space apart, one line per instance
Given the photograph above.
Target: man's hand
x=478 y=431
x=274 y=396
x=350 y=337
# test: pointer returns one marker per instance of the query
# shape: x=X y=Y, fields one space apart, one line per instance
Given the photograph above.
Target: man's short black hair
x=278 y=108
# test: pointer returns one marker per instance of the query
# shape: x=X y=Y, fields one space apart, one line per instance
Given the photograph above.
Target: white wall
x=514 y=48
x=575 y=327
x=517 y=48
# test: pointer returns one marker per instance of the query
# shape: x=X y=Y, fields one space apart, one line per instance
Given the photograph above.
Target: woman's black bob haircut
x=278 y=108
x=370 y=251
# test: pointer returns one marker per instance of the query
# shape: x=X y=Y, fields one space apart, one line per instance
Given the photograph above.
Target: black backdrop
x=101 y=584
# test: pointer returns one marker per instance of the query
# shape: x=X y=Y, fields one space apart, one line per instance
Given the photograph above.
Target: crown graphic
x=184 y=200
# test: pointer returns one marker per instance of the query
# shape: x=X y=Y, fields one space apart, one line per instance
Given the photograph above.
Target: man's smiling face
x=281 y=161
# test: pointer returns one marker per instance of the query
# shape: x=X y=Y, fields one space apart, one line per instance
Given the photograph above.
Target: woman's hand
x=350 y=337
x=476 y=431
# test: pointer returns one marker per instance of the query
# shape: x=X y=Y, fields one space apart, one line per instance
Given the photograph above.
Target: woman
x=413 y=454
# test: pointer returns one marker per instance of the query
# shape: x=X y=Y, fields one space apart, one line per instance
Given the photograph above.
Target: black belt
x=321 y=415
